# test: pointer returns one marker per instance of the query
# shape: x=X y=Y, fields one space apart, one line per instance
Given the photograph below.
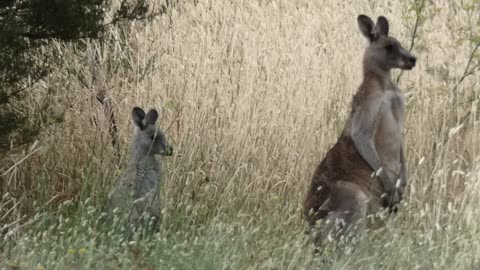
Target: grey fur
x=342 y=192
x=384 y=98
x=137 y=190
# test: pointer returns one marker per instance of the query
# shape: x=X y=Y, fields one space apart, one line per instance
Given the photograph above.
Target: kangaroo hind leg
x=348 y=209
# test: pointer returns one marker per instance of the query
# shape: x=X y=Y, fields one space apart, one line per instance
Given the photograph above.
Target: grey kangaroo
x=342 y=190
x=136 y=191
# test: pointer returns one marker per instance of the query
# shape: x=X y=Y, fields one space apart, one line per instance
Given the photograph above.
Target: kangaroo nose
x=169 y=151
x=412 y=60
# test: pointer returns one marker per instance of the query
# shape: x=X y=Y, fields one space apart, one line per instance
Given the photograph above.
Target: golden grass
x=252 y=94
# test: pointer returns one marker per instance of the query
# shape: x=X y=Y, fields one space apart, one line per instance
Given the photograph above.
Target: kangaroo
x=137 y=189
x=342 y=190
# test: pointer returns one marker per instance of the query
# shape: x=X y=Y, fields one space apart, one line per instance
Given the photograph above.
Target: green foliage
x=26 y=27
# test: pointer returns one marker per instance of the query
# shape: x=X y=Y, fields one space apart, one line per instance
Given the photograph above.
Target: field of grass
x=251 y=94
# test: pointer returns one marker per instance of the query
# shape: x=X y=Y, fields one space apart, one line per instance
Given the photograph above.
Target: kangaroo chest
x=388 y=136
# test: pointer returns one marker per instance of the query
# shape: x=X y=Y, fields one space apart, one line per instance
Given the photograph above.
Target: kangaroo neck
x=383 y=76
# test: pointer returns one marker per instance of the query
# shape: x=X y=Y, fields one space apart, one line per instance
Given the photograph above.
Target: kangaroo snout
x=412 y=59
x=168 y=151
x=406 y=61
x=410 y=62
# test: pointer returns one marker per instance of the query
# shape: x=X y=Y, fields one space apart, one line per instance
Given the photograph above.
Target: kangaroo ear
x=138 y=115
x=152 y=117
x=381 y=28
x=366 y=26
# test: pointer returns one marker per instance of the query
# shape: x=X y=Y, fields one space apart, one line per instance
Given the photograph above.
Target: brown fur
x=342 y=163
x=342 y=190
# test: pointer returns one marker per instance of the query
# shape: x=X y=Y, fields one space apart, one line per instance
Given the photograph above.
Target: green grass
x=88 y=239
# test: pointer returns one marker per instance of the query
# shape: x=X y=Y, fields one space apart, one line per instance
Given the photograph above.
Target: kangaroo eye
x=389 y=48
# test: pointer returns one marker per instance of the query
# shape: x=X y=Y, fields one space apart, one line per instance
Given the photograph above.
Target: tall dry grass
x=252 y=94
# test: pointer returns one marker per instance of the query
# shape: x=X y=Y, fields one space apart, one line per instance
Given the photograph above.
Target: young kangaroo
x=342 y=190
x=137 y=189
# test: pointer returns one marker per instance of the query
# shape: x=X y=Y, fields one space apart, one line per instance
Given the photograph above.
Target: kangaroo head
x=149 y=137
x=383 y=52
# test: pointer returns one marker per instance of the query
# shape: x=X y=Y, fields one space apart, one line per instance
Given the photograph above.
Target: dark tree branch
x=467 y=72
x=414 y=34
